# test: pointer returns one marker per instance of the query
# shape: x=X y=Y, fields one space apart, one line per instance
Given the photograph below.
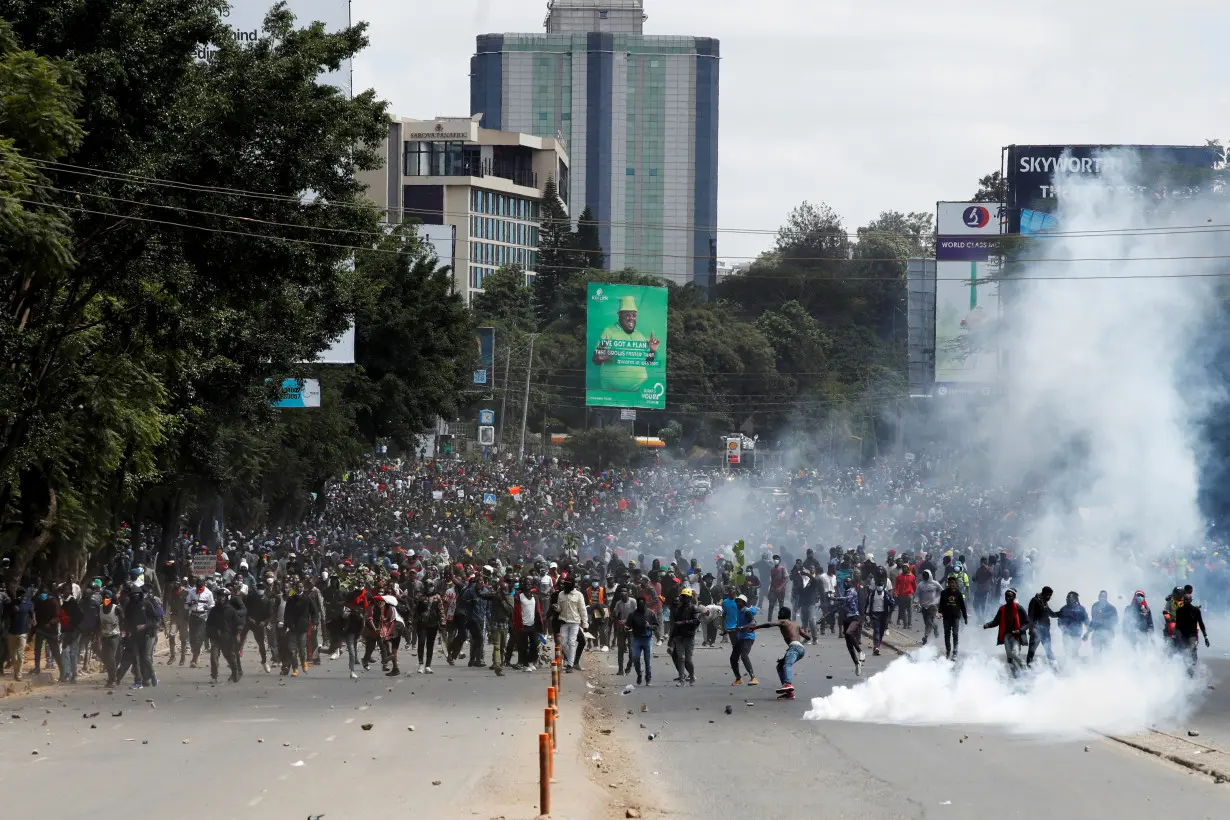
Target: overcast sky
x=870 y=105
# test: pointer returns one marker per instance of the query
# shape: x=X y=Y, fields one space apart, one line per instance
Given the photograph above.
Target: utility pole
x=504 y=398
x=525 y=408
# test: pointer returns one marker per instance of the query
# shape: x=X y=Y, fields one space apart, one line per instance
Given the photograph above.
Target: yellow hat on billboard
x=627 y=303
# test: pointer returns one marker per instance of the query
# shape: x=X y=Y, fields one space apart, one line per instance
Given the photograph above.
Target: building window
x=631 y=172
x=542 y=115
x=602 y=14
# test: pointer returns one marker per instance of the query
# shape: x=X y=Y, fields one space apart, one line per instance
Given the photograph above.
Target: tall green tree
x=414 y=341
x=506 y=302
x=588 y=242
x=991 y=188
x=185 y=294
x=556 y=257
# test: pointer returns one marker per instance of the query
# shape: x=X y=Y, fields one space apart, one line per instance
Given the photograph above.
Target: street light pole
x=525 y=407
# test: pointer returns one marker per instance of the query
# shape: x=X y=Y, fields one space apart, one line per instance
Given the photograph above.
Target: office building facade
x=487 y=184
x=639 y=115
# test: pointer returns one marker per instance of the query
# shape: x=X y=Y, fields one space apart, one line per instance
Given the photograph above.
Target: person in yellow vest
x=623 y=351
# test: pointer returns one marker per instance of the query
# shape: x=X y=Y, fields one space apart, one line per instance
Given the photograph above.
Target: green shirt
x=625 y=370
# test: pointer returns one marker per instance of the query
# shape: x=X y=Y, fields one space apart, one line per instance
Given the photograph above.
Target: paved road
x=197 y=749
x=764 y=761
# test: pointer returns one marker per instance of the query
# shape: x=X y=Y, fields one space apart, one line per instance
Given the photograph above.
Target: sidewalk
x=31 y=681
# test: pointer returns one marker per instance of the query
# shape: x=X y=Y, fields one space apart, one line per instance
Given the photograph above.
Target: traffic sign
x=627 y=414
x=486 y=417
x=486 y=435
x=480 y=376
x=489 y=499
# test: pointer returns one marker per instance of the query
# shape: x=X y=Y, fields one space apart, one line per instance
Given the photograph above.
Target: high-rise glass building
x=639 y=117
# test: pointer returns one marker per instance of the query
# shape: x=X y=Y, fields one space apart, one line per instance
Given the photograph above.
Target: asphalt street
x=764 y=761
x=262 y=749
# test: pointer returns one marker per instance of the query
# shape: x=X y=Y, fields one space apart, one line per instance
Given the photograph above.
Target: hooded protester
x=1137 y=619
x=929 y=591
x=1012 y=621
x=1072 y=621
x=1040 y=614
x=223 y=627
x=141 y=624
x=879 y=607
x=952 y=612
x=852 y=628
x=1103 y=623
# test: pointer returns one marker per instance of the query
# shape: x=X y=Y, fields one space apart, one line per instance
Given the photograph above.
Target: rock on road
x=260 y=749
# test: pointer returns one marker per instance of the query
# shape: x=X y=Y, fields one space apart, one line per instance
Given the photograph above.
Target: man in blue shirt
x=730 y=613
x=742 y=639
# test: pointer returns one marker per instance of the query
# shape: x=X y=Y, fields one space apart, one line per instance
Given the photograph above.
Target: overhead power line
x=822 y=276
x=123 y=176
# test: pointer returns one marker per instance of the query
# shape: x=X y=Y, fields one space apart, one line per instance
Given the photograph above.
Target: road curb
x=1219 y=773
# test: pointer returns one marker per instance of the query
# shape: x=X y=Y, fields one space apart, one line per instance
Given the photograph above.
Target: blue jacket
x=849 y=604
x=1072 y=619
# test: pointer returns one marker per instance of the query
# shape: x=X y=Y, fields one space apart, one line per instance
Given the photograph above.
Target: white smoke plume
x=1123 y=692
x=1103 y=395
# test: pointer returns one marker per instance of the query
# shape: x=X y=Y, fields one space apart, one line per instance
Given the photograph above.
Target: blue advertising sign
x=299 y=394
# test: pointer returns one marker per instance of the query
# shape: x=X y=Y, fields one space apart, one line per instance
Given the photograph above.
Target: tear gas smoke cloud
x=1104 y=392
x=1122 y=692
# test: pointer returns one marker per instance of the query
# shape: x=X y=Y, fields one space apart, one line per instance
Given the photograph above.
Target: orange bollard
x=551 y=696
x=548 y=726
x=544 y=779
x=554 y=741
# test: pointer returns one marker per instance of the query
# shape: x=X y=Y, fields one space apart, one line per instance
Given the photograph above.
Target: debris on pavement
x=367 y=727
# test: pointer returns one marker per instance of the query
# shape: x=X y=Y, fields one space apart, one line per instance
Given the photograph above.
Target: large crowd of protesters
x=408 y=561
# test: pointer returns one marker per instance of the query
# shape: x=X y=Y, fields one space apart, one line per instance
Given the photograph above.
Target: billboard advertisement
x=625 y=346
x=298 y=394
x=245 y=18
x=1159 y=172
x=484 y=340
x=966 y=307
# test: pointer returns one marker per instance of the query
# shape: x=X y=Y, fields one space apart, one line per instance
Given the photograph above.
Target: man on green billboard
x=625 y=369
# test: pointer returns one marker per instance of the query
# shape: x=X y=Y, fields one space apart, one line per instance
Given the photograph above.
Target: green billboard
x=625 y=346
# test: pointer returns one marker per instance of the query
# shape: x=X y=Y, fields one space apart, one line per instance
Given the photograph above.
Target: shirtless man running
x=794 y=635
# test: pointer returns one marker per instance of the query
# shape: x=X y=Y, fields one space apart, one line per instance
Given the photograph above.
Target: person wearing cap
x=684 y=621
x=623 y=351
x=742 y=640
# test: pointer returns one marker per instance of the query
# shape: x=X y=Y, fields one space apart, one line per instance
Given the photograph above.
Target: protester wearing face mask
x=110 y=621
x=1137 y=619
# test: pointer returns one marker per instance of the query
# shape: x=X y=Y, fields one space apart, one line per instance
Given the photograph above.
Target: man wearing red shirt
x=903 y=590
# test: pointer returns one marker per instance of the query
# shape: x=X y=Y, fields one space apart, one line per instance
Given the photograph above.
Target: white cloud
x=869 y=105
